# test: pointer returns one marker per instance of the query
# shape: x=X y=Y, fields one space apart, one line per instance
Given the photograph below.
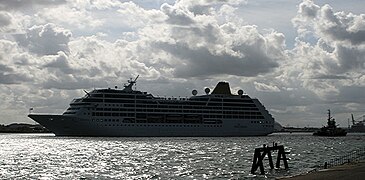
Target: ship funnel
x=222 y=88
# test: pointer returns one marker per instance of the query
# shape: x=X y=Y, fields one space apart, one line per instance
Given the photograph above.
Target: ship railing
x=76 y=100
x=173 y=98
x=353 y=156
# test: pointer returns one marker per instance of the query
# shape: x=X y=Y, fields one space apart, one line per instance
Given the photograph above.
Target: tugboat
x=331 y=129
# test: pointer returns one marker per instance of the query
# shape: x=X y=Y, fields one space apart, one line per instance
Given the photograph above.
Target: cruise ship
x=128 y=112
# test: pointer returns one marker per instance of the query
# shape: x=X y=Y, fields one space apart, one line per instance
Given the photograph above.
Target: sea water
x=45 y=156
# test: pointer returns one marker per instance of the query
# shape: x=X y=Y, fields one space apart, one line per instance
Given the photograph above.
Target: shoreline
x=348 y=171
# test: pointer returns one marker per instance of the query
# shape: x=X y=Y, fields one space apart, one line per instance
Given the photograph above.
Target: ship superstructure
x=128 y=112
x=357 y=125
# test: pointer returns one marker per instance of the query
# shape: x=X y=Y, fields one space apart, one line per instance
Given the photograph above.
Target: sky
x=299 y=58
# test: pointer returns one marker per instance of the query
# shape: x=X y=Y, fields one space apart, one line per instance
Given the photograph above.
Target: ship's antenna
x=348 y=123
x=128 y=87
x=87 y=93
x=135 y=82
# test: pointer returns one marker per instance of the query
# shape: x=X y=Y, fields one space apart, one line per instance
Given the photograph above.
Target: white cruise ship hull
x=131 y=113
x=62 y=125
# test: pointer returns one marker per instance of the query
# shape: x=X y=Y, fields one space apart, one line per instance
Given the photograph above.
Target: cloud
x=205 y=7
x=9 y=76
x=5 y=19
x=200 y=62
x=341 y=26
x=69 y=16
x=266 y=88
x=140 y=18
x=204 y=47
x=61 y=62
x=329 y=76
x=10 y=73
x=177 y=16
x=351 y=94
x=335 y=57
x=20 y=4
x=12 y=22
x=45 y=39
x=350 y=58
x=329 y=25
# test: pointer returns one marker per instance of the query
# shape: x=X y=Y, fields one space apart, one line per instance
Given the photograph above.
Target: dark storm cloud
x=203 y=47
x=177 y=16
x=329 y=76
x=201 y=62
x=351 y=58
x=354 y=93
x=45 y=39
x=61 y=63
x=350 y=94
x=4 y=68
x=18 y=4
x=5 y=19
x=207 y=33
x=9 y=76
x=68 y=83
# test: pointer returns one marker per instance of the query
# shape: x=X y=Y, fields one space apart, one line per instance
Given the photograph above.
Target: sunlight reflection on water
x=44 y=156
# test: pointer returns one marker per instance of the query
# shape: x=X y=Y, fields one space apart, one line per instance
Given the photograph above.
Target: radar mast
x=128 y=87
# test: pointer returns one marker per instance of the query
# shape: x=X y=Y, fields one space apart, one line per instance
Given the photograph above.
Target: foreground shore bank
x=352 y=171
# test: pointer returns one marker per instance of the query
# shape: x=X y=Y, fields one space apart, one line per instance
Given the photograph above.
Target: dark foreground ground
x=352 y=171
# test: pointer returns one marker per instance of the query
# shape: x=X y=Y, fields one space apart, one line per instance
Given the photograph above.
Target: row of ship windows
x=117 y=120
x=114 y=96
x=159 y=125
x=172 y=109
x=158 y=121
x=246 y=104
x=178 y=111
x=208 y=116
x=261 y=122
x=164 y=110
x=146 y=115
x=116 y=112
x=252 y=108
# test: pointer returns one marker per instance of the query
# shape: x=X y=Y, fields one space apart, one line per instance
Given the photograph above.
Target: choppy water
x=44 y=156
